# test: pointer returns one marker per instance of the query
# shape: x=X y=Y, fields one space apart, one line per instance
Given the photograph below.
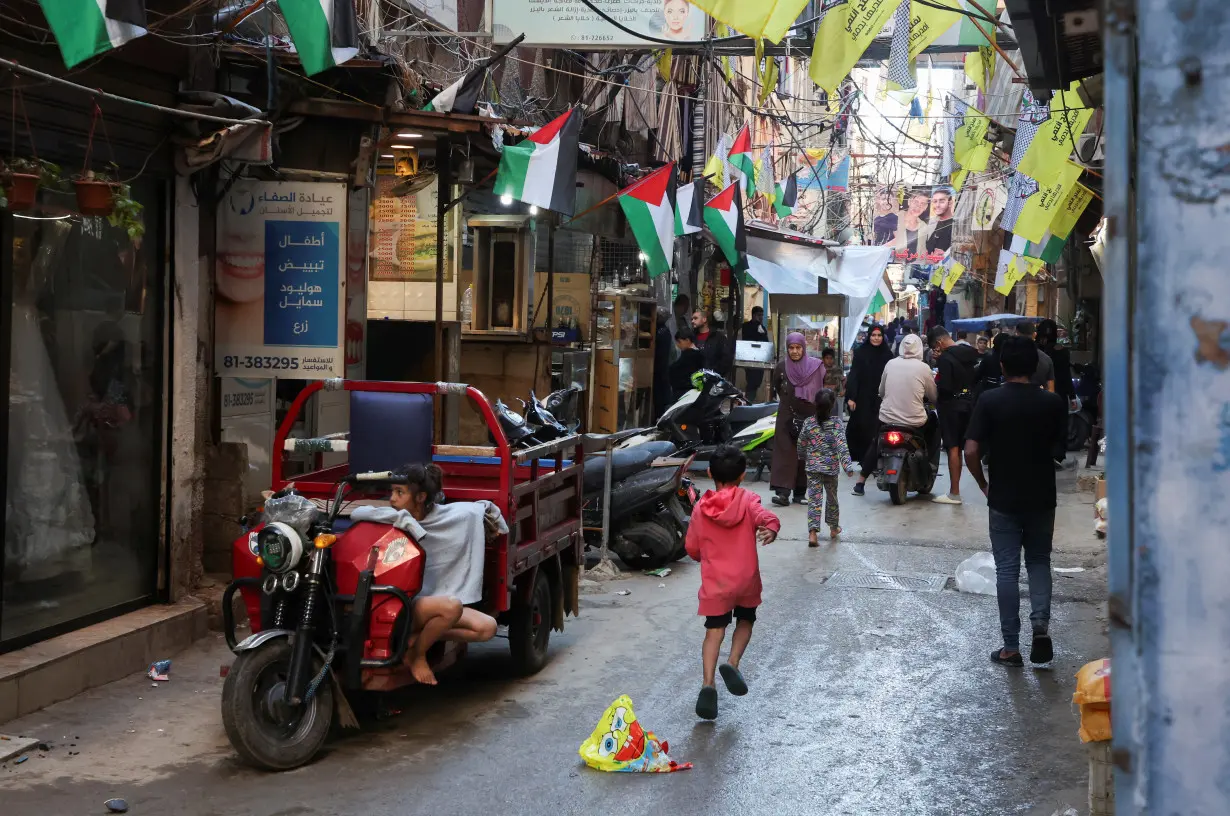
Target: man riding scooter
x=905 y=387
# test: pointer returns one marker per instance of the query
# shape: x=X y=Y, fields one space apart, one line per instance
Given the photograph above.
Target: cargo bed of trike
x=538 y=490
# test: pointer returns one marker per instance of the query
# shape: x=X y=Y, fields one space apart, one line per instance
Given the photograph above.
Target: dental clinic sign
x=280 y=281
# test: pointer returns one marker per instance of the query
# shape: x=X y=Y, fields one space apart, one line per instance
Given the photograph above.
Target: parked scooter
x=565 y=406
x=650 y=507
x=714 y=412
x=905 y=464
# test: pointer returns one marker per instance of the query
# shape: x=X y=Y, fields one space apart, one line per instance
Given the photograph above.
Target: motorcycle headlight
x=279 y=547
x=726 y=406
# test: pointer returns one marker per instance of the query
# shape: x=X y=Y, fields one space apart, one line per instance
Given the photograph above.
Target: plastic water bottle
x=467 y=307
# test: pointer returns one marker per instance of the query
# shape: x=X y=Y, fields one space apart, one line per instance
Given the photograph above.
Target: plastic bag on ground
x=621 y=744
x=976 y=574
x=1093 y=683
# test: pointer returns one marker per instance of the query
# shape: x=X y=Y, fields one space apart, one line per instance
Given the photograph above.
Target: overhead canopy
x=814 y=279
x=980 y=323
x=780 y=280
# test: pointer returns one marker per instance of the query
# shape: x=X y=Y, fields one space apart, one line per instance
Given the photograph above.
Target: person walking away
x=834 y=378
x=681 y=314
x=906 y=331
x=863 y=390
x=691 y=359
x=1047 y=338
x=1018 y=424
x=822 y=447
x=954 y=386
x=990 y=374
x=796 y=381
x=1044 y=374
x=727 y=524
x=906 y=387
x=754 y=331
x=663 y=346
x=712 y=342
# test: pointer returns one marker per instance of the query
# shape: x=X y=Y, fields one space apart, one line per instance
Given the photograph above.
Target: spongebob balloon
x=620 y=743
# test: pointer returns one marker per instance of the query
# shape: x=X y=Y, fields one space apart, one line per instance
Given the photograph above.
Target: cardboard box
x=1100 y=491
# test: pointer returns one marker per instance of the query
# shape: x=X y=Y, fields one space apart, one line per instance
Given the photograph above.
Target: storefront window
x=85 y=401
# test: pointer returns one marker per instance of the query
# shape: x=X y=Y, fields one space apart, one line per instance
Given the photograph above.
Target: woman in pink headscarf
x=796 y=381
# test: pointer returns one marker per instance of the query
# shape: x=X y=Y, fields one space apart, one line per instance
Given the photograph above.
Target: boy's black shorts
x=743 y=613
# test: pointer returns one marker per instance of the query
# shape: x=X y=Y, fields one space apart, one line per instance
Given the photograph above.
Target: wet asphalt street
x=863 y=701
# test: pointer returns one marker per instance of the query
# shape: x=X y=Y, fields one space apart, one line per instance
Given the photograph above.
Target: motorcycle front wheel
x=265 y=731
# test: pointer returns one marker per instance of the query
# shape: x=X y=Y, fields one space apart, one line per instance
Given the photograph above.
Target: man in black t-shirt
x=957 y=367
x=1017 y=425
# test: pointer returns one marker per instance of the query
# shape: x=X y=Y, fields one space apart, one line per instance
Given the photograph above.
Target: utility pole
x=1166 y=326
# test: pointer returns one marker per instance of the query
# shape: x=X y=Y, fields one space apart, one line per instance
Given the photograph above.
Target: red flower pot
x=21 y=189
x=94 y=197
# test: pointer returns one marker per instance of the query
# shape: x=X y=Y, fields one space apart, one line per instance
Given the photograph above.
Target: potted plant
x=126 y=213
x=95 y=194
x=22 y=178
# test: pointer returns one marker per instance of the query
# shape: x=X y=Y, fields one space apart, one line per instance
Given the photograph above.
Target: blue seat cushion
x=389 y=430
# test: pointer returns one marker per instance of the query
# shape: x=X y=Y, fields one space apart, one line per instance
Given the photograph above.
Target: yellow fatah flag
x=1032 y=265
x=937 y=277
x=970 y=148
x=1073 y=207
x=1040 y=208
x=842 y=37
x=1012 y=272
x=664 y=65
x=955 y=271
x=958 y=180
x=755 y=18
x=1054 y=140
x=715 y=168
x=980 y=67
x=927 y=23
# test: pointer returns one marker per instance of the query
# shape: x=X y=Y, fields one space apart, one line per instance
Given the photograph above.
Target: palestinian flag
x=786 y=197
x=741 y=161
x=325 y=32
x=87 y=28
x=688 y=206
x=649 y=205
x=542 y=170
x=462 y=95
x=724 y=218
x=882 y=297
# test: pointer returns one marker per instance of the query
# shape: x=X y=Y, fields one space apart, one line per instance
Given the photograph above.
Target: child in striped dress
x=822 y=447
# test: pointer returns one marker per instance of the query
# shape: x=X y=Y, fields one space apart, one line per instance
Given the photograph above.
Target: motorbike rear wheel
x=645 y=545
x=265 y=732
x=898 y=490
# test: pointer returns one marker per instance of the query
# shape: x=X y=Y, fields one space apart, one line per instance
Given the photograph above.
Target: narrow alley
x=864 y=701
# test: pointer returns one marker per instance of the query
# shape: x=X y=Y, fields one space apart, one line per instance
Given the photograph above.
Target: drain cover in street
x=913 y=581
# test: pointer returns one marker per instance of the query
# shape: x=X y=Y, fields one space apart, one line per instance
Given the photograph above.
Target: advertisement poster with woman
x=280 y=280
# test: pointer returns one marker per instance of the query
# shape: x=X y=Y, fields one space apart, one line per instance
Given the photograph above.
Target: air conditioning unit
x=1091 y=148
x=1060 y=41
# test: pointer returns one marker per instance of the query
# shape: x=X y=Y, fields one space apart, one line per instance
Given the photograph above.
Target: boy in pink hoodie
x=726 y=525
